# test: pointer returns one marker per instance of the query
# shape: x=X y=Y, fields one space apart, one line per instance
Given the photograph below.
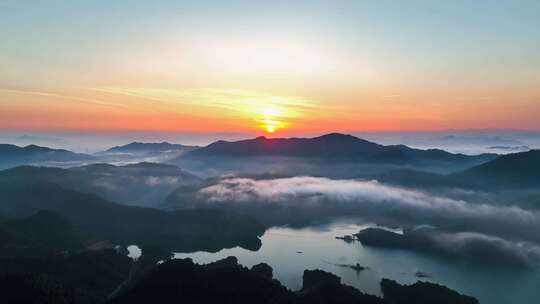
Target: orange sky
x=302 y=68
x=211 y=110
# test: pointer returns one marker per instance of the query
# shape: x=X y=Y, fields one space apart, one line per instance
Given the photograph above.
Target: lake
x=290 y=251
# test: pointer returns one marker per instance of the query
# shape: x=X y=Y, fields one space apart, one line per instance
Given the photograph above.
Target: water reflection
x=134 y=252
x=291 y=251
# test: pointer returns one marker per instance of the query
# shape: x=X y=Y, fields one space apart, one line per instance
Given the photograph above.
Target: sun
x=270 y=128
x=271 y=118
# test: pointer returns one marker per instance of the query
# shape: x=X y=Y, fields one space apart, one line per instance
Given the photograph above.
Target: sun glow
x=271 y=118
x=270 y=129
x=236 y=108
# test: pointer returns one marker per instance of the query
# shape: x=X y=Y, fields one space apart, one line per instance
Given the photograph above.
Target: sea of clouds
x=507 y=228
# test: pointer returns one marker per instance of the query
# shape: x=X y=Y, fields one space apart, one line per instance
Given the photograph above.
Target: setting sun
x=271 y=118
x=270 y=129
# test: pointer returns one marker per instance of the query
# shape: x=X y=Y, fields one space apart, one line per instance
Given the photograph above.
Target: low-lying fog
x=469 y=229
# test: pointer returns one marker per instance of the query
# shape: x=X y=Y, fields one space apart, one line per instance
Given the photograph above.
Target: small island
x=347 y=238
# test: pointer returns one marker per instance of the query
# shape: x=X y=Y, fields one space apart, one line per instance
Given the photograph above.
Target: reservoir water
x=290 y=251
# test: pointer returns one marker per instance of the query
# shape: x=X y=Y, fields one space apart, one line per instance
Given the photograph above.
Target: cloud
x=163 y=180
x=466 y=246
x=34 y=138
x=392 y=96
x=372 y=200
x=227 y=99
x=106 y=184
x=90 y=101
x=482 y=247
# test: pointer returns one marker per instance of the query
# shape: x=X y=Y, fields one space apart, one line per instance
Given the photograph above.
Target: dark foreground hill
x=227 y=282
x=11 y=155
x=102 y=220
x=141 y=184
x=107 y=276
x=41 y=234
x=80 y=278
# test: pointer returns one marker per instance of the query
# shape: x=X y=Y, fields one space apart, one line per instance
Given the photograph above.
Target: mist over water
x=315 y=196
x=290 y=251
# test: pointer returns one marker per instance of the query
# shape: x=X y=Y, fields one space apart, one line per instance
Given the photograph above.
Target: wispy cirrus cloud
x=90 y=101
x=391 y=96
x=227 y=99
x=270 y=112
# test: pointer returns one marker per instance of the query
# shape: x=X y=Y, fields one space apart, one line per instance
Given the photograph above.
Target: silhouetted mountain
x=334 y=148
x=512 y=170
x=320 y=287
x=81 y=278
x=142 y=184
x=327 y=146
x=422 y=293
x=11 y=155
x=182 y=281
x=96 y=218
x=227 y=282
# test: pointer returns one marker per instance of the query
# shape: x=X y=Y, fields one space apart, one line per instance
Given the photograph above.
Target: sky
x=269 y=67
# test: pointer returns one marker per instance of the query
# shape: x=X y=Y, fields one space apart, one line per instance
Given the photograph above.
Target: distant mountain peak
x=33 y=146
x=340 y=137
x=326 y=146
x=36 y=148
x=12 y=155
x=335 y=146
x=337 y=135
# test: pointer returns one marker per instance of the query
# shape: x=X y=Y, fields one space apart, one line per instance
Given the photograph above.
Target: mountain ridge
x=521 y=169
x=334 y=146
x=295 y=146
x=13 y=155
